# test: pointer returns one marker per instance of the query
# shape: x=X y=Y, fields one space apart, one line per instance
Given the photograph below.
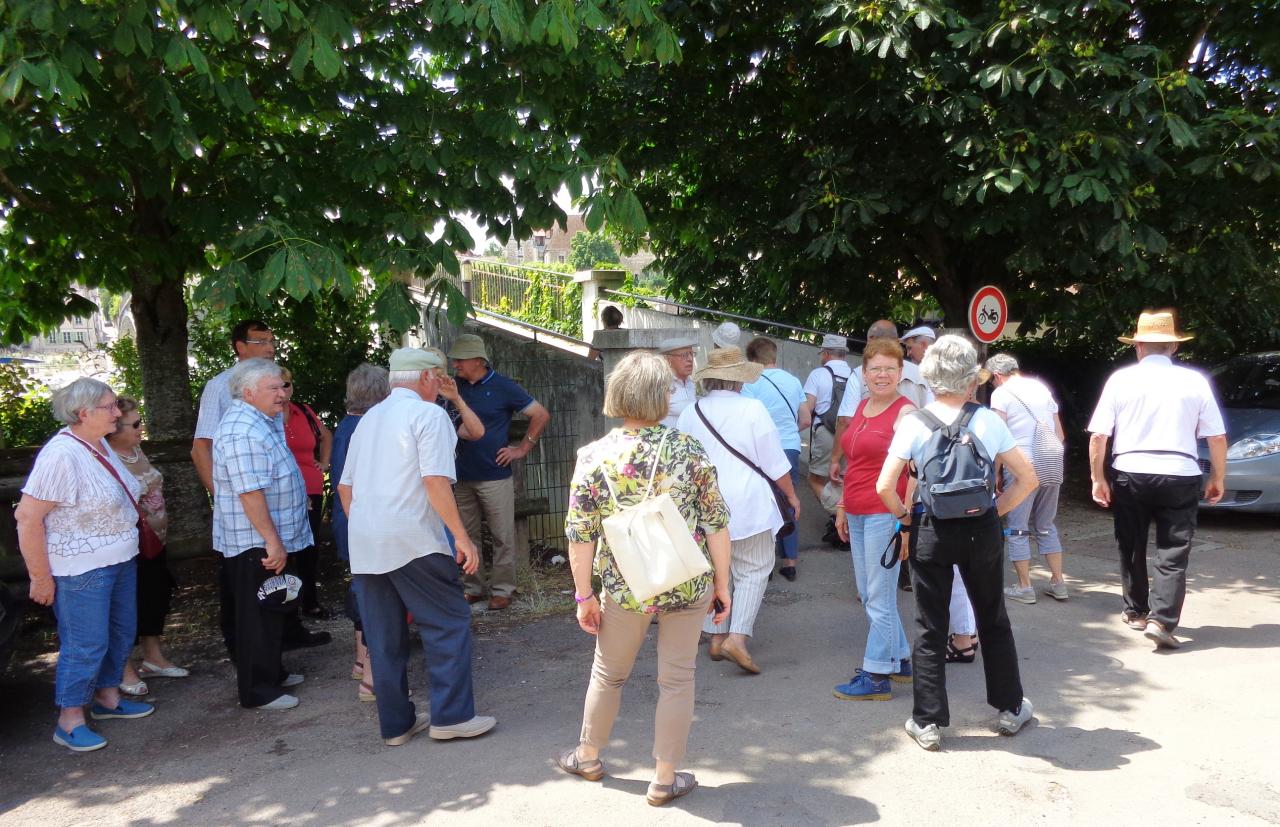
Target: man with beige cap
x=678 y=351
x=1153 y=413
x=396 y=490
x=485 y=490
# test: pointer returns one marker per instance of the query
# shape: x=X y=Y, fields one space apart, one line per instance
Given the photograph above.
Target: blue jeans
x=887 y=644
x=789 y=546
x=97 y=616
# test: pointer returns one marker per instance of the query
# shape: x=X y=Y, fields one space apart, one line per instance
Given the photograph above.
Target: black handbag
x=780 y=498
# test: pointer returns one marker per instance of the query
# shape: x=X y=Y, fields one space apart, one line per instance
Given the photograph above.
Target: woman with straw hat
x=744 y=445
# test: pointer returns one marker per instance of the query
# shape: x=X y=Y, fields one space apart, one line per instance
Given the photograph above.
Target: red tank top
x=865 y=445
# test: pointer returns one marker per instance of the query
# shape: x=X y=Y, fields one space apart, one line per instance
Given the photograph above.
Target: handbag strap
x=1030 y=412
x=765 y=377
x=698 y=408
x=100 y=458
x=653 y=472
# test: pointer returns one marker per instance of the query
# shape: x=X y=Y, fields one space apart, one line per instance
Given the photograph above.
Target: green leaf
x=325 y=59
x=273 y=272
x=123 y=40
x=394 y=307
x=923 y=20
x=10 y=84
x=1036 y=83
x=175 y=54
x=1179 y=131
x=1005 y=185
x=301 y=57
x=629 y=212
x=297 y=275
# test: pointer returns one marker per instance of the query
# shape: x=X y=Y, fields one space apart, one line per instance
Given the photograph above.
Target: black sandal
x=965 y=655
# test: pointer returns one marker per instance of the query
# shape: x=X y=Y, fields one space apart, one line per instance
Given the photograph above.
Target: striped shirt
x=249 y=454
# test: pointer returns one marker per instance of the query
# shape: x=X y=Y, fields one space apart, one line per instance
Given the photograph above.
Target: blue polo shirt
x=494 y=399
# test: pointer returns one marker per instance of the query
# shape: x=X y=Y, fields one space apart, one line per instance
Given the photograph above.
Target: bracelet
x=530 y=440
x=906 y=513
x=581 y=600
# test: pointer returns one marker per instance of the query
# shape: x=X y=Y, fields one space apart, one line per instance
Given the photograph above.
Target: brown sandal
x=660 y=794
x=567 y=760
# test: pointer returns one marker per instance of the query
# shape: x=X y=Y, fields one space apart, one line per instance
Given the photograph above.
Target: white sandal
x=136 y=690
x=150 y=670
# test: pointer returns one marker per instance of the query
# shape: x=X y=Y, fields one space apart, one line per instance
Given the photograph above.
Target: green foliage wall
x=25 y=416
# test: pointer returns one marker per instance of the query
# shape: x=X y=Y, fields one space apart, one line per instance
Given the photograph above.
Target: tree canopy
x=821 y=163
x=265 y=147
x=586 y=250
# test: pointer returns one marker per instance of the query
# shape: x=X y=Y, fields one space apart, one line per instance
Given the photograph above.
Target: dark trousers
x=1136 y=500
x=294 y=631
x=430 y=588
x=155 y=594
x=256 y=634
x=977 y=546
x=788 y=547
x=308 y=559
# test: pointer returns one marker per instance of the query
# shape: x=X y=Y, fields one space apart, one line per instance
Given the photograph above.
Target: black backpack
x=957 y=478
x=829 y=416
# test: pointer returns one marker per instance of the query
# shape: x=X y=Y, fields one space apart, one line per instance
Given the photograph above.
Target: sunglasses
x=134 y=425
x=286 y=384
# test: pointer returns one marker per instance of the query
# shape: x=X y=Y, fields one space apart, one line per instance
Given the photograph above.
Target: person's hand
x=1214 y=490
x=589 y=616
x=466 y=554
x=842 y=526
x=834 y=472
x=42 y=589
x=276 y=557
x=1102 y=493
x=449 y=389
x=726 y=604
x=795 y=505
x=510 y=453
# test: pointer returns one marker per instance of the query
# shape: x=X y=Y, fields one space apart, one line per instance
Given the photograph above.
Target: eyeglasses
x=881 y=371
x=681 y=354
x=114 y=406
x=259 y=342
x=286 y=384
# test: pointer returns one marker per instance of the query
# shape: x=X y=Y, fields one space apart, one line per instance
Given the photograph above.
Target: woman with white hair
x=78 y=533
x=973 y=542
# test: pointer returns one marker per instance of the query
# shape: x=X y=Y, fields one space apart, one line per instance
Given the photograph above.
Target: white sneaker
x=1010 y=722
x=283 y=702
x=1021 y=595
x=928 y=737
x=420 y=723
x=292 y=681
x=478 y=725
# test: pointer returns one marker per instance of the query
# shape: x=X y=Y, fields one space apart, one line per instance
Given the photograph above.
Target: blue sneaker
x=863 y=687
x=124 y=709
x=903 y=675
x=80 y=739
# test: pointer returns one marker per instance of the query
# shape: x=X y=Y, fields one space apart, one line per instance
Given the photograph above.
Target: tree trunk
x=160 y=315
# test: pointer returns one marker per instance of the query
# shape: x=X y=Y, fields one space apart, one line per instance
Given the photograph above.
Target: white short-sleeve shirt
x=1154 y=412
x=94 y=524
x=680 y=395
x=912 y=433
x=819 y=384
x=214 y=401
x=1024 y=402
x=746 y=425
x=911 y=385
x=398 y=442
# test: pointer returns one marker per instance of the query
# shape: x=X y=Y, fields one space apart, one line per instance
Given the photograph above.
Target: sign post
x=988 y=314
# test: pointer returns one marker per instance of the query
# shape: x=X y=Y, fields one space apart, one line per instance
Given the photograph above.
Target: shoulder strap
x=653 y=471
x=780 y=393
x=100 y=458
x=1026 y=407
x=698 y=408
x=929 y=419
x=311 y=421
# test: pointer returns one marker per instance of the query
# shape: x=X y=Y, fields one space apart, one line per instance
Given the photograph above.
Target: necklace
x=137 y=455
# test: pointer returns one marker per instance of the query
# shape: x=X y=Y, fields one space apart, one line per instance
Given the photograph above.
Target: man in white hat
x=916 y=341
x=682 y=392
x=823 y=390
x=726 y=335
x=396 y=490
x=1153 y=413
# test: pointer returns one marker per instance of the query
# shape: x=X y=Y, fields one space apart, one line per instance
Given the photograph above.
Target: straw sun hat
x=1156 y=326
x=729 y=364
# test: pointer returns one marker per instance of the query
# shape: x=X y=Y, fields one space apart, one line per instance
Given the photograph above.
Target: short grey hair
x=249 y=373
x=367 y=385
x=403 y=378
x=1002 y=364
x=882 y=329
x=721 y=385
x=950 y=366
x=838 y=352
x=637 y=388
x=70 y=400
x=1159 y=348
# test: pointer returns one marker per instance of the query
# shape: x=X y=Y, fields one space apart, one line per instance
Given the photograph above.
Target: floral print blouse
x=627 y=457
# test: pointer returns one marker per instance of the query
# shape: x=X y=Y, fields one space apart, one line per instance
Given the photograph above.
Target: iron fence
x=535 y=295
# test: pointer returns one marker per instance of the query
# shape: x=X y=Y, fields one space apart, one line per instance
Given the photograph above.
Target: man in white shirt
x=682 y=393
x=1153 y=413
x=396 y=490
x=916 y=341
x=820 y=406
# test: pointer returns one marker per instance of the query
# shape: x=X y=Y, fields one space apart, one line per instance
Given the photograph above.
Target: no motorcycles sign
x=988 y=313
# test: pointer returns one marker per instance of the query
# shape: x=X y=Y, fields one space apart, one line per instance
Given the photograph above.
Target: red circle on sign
x=988 y=314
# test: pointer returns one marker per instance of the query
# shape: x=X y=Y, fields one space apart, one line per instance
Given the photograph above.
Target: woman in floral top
x=623 y=461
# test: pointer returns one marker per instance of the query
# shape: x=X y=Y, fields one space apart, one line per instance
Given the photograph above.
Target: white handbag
x=650 y=541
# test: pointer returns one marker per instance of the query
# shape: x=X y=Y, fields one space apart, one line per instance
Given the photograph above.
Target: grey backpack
x=957 y=478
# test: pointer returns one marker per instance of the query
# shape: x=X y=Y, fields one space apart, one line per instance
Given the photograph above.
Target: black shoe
x=788 y=572
x=306 y=640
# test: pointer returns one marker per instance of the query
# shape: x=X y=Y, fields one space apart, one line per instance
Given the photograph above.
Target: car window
x=1249 y=381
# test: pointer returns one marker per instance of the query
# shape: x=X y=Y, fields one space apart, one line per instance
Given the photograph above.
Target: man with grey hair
x=396 y=490
x=916 y=341
x=823 y=390
x=259 y=518
x=1153 y=413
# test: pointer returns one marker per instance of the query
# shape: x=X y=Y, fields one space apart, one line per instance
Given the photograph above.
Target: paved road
x=1122 y=734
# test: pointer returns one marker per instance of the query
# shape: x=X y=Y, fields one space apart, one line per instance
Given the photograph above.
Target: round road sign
x=988 y=313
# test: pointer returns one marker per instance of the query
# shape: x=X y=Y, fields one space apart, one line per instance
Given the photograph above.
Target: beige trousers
x=494 y=502
x=621 y=635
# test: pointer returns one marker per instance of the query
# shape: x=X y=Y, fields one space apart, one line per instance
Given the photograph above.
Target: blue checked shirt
x=249 y=454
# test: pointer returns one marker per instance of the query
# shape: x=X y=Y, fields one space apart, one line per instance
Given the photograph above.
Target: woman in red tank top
x=863 y=521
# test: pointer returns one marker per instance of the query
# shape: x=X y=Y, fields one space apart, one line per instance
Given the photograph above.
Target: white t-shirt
x=214 y=401
x=818 y=384
x=1024 y=402
x=912 y=433
x=93 y=524
x=912 y=386
x=1155 y=411
x=746 y=425
x=680 y=395
x=398 y=442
